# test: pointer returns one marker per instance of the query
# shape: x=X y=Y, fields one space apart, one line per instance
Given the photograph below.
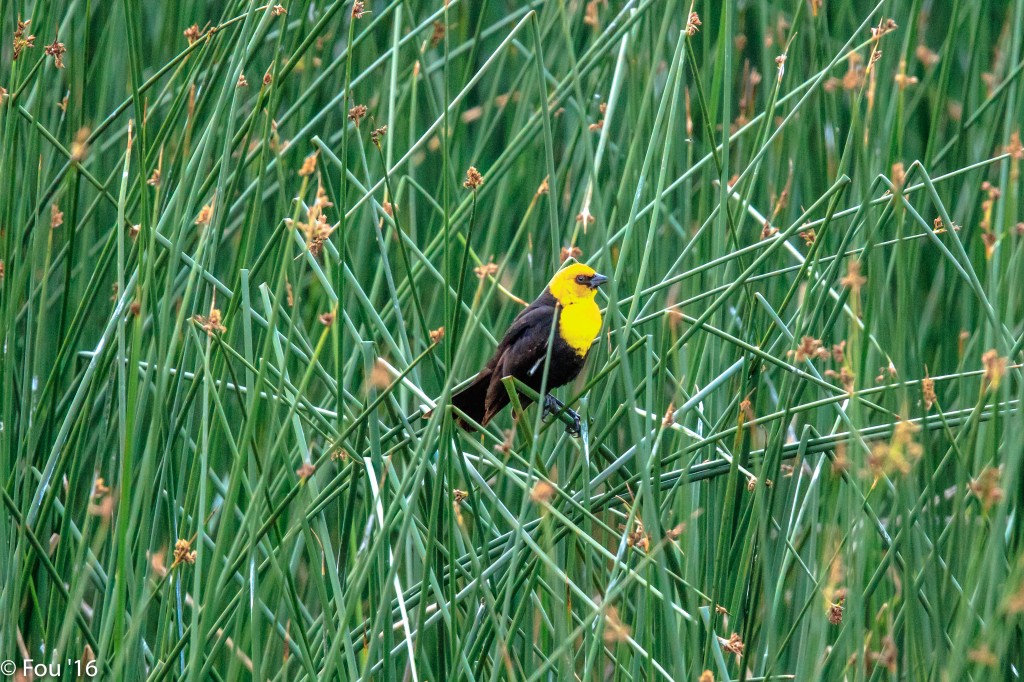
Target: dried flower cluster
x=902 y=79
x=853 y=280
x=316 y=227
x=884 y=27
x=568 y=252
x=542 y=492
x=939 y=226
x=835 y=612
x=183 y=552
x=57 y=51
x=928 y=392
x=692 y=24
x=437 y=34
x=995 y=368
x=485 y=270
x=205 y=214
x=927 y=57
x=473 y=179
x=308 y=165
x=986 y=487
x=734 y=645
x=356 y=114
x=988 y=236
x=638 y=537
x=899 y=454
x=614 y=629
x=22 y=41
x=192 y=33
x=211 y=323
x=810 y=348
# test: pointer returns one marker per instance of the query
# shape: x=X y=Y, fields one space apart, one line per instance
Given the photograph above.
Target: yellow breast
x=578 y=324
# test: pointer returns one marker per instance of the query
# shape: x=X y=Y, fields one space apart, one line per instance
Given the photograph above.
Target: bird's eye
x=581 y=279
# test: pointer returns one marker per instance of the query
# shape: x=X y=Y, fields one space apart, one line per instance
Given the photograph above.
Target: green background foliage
x=803 y=445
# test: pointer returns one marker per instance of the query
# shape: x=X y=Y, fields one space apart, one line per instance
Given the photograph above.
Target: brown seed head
x=614 y=629
x=56 y=217
x=542 y=492
x=835 y=613
x=733 y=645
x=278 y=10
x=308 y=165
x=926 y=56
x=436 y=334
x=241 y=82
x=810 y=348
x=80 y=145
x=22 y=42
x=305 y=471
x=377 y=134
x=928 y=392
x=995 y=368
x=183 y=552
x=853 y=280
x=692 y=24
x=1014 y=147
x=356 y=113
x=488 y=269
x=886 y=26
x=327 y=318
x=473 y=179
x=56 y=50
x=205 y=213
x=899 y=177
x=568 y=252
x=438 y=33
x=358 y=9
x=986 y=487
x=192 y=33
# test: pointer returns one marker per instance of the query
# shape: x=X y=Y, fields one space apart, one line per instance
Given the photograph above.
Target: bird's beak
x=597 y=280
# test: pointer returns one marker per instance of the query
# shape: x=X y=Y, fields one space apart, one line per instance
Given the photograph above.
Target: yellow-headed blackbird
x=567 y=301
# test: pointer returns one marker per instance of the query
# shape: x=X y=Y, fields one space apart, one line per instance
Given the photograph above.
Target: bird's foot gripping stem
x=553 y=405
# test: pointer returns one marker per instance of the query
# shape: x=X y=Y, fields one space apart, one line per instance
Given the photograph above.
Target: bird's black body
x=521 y=354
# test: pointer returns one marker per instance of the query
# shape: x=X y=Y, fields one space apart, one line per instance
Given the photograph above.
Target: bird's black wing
x=521 y=354
x=524 y=339
x=539 y=314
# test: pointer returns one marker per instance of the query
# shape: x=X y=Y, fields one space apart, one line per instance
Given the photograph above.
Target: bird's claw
x=553 y=405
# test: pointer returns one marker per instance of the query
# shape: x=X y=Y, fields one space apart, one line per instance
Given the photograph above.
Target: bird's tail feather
x=472 y=399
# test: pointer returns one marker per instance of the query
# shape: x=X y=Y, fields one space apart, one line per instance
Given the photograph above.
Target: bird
x=567 y=302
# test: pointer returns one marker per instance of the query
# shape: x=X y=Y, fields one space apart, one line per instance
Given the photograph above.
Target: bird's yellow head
x=575 y=283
